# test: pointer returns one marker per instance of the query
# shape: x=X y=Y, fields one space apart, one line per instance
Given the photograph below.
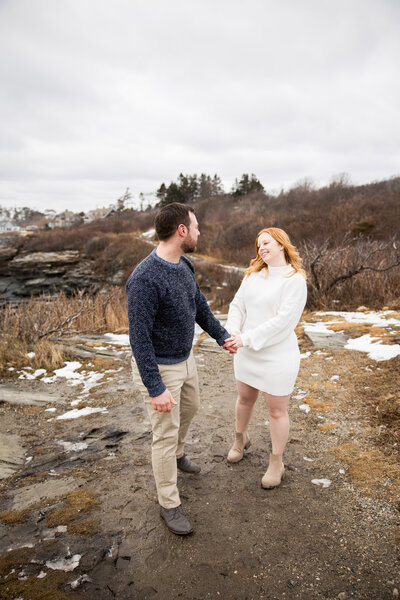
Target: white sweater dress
x=265 y=312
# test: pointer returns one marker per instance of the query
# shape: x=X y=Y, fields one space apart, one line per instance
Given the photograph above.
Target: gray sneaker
x=175 y=520
x=188 y=466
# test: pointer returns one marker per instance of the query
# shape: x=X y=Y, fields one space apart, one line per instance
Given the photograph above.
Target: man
x=164 y=302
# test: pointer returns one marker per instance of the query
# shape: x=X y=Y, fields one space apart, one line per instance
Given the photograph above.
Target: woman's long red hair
x=291 y=255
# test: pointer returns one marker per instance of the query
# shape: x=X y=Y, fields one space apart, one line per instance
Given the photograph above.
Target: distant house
x=8 y=225
x=97 y=213
x=65 y=219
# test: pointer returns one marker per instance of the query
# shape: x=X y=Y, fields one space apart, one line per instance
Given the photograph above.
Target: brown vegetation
x=30 y=327
x=348 y=237
x=77 y=504
x=367 y=468
x=76 y=237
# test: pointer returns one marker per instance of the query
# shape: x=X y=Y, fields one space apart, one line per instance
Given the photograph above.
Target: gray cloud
x=99 y=95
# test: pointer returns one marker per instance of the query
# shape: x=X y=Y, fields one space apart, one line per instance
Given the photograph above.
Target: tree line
x=188 y=188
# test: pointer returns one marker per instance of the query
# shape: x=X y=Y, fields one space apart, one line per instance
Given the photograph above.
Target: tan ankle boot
x=241 y=443
x=275 y=472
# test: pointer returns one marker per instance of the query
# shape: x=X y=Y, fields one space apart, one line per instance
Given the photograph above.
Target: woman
x=261 y=319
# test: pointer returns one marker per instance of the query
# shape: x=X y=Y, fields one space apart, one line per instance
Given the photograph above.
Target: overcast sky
x=100 y=95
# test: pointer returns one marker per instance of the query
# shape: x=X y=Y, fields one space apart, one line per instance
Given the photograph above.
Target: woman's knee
x=277 y=412
x=245 y=400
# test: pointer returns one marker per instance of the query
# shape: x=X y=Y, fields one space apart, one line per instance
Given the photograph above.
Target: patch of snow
x=68 y=372
x=376 y=350
x=28 y=459
x=373 y=317
x=305 y=354
x=29 y=545
x=334 y=377
x=30 y=354
x=329 y=358
x=304 y=407
x=149 y=234
x=323 y=482
x=50 y=410
x=309 y=459
x=118 y=339
x=82 y=412
x=37 y=373
x=342 y=471
x=314 y=374
x=79 y=581
x=318 y=327
x=71 y=447
x=41 y=575
x=89 y=380
x=64 y=564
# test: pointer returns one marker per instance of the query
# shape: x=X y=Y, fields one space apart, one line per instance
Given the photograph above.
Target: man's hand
x=163 y=402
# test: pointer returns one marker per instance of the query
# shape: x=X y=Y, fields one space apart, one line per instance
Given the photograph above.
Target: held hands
x=233 y=343
x=163 y=402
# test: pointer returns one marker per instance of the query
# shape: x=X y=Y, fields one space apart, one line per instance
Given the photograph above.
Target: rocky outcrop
x=43 y=272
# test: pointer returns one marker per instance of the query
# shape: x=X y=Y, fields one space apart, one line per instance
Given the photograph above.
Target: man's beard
x=188 y=246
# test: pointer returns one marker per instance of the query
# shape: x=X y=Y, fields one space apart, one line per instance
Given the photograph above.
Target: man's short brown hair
x=170 y=217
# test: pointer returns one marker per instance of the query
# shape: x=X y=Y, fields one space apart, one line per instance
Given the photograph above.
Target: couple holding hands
x=165 y=302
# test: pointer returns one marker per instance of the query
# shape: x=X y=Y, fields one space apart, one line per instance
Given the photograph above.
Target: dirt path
x=91 y=507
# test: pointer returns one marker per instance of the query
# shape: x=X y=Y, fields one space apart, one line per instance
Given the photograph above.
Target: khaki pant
x=170 y=428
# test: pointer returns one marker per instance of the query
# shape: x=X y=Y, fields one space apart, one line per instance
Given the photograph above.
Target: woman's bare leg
x=245 y=402
x=278 y=421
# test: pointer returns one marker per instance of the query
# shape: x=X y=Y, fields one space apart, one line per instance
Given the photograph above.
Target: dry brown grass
x=328 y=426
x=14 y=516
x=377 y=474
x=352 y=329
x=77 y=503
x=31 y=326
x=318 y=405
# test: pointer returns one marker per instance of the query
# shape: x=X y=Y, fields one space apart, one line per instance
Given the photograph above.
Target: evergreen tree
x=205 y=186
x=217 y=187
x=161 y=194
x=174 y=194
x=188 y=188
x=248 y=183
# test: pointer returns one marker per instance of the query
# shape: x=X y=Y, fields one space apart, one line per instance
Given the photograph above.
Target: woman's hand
x=233 y=343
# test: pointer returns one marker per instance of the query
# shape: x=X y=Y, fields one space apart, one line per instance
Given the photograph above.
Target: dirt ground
x=93 y=507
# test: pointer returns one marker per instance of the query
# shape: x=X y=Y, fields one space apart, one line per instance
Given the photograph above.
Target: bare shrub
x=122 y=253
x=77 y=237
x=357 y=273
x=218 y=282
x=31 y=326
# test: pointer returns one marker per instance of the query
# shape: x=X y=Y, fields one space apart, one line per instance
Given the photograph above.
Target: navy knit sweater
x=164 y=302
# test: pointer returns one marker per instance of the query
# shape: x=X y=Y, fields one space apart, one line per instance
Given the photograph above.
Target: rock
x=49 y=272
x=324 y=340
x=15 y=395
x=12 y=456
x=342 y=596
x=395 y=593
x=44 y=260
x=362 y=309
x=6 y=253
